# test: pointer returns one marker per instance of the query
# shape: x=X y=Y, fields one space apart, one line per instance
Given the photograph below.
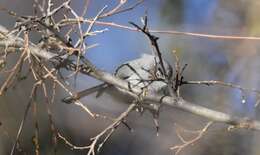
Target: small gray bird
x=145 y=72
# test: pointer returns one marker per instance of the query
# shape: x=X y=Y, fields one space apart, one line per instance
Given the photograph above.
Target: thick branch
x=175 y=102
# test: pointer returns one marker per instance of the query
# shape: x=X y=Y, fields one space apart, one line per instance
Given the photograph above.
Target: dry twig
x=185 y=143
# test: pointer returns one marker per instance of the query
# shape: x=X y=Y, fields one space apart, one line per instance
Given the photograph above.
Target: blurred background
x=235 y=61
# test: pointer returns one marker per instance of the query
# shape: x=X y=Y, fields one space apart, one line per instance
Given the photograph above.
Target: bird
x=145 y=72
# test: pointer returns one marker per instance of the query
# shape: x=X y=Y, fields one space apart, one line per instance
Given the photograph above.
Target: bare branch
x=107 y=132
x=221 y=83
x=117 y=9
x=166 y=32
x=56 y=51
x=179 y=103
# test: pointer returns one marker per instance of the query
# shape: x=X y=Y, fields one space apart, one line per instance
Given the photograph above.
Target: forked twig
x=107 y=132
x=185 y=143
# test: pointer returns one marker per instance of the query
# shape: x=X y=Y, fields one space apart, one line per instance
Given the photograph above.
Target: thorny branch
x=56 y=51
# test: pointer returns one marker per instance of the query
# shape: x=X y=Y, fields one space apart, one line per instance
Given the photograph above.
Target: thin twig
x=118 y=10
x=168 y=32
x=185 y=143
x=107 y=132
x=15 y=69
x=221 y=83
x=50 y=116
x=24 y=117
x=36 y=141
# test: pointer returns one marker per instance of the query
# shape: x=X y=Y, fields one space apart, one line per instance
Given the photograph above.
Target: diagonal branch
x=173 y=101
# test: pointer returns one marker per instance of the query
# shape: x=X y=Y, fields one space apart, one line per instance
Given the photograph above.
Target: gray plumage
x=144 y=72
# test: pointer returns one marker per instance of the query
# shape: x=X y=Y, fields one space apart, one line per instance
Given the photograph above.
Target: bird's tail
x=99 y=89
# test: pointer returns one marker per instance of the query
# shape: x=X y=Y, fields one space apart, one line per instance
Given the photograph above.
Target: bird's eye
x=158 y=74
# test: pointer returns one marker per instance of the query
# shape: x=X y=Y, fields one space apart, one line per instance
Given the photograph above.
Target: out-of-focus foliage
x=173 y=11
x=227 y=60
